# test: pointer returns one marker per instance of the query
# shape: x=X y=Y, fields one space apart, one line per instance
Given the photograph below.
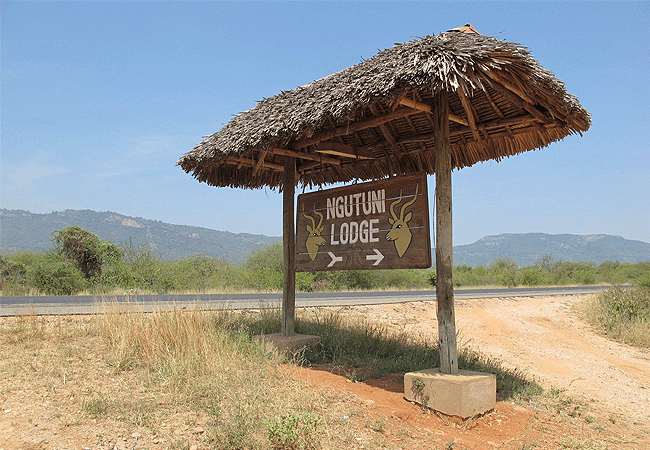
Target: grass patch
x=354 y=343
x=196 y=378
x=621 y=314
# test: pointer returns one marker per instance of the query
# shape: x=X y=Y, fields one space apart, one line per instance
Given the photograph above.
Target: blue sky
x=100 y=99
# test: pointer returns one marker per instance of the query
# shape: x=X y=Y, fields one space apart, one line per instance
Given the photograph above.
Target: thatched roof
x=373 y=119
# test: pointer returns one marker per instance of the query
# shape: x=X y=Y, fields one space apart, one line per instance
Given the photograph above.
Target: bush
x=503 y=271
x=623 y=314
x=56 y=276
x=12 y=277
x=296 y=431
x=532 y=276
x=84 y=250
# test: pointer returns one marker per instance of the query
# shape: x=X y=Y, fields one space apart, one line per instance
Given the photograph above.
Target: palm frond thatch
x=373 y=119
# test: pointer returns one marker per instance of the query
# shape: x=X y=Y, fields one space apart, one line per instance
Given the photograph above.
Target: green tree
x=85 y=250
x=55 y=275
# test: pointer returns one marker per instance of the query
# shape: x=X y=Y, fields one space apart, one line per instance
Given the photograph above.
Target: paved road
x=89 y=304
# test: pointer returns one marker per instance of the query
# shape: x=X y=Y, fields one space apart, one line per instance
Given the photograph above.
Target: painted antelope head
x=314 y=239
x=400 y=233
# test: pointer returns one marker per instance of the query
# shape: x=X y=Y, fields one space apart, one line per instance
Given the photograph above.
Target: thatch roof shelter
x=373 y=119
x=427 y=106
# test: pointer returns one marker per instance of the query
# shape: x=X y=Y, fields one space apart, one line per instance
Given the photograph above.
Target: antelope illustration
x=400 y=233
x=314 y=239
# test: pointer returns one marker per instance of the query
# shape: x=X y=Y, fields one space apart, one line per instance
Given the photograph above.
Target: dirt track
x=545 y=338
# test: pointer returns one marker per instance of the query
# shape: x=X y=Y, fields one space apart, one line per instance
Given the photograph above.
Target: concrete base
x=464 y=395
x=290 y=346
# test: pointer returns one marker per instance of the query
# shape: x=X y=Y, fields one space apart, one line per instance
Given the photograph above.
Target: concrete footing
x=289 y=346
x=465 y=395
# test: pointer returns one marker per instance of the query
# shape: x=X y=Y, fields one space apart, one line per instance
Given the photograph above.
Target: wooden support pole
x=289 y=247
x=444 y=242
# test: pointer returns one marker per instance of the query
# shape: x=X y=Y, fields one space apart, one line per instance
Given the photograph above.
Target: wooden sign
x=376 y=225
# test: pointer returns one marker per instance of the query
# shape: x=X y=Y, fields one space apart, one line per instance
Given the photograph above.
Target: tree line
x=81 y=263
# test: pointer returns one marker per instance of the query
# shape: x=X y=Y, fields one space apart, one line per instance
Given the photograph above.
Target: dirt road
x=545 y=337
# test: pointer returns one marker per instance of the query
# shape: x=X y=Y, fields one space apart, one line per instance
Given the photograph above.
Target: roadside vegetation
x=622 y=314
x=81 y=263
x=158 y=373
x=186 y=379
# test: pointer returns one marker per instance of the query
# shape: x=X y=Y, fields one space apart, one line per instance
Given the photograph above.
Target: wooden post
x=444 y=241
x=289 y=247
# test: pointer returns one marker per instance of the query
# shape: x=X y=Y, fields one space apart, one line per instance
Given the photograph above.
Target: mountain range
x=23 y=230
x=528 y=249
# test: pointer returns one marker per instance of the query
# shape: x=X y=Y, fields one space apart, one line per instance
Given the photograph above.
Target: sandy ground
x=541 y=336
x=544 y=337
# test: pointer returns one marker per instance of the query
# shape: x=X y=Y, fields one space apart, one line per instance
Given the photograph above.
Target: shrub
x=296 y=431
x=12 y=277
x=503 y=271
x=56 y=276
x=623 y=314
x=84 y=249
x=532 y=276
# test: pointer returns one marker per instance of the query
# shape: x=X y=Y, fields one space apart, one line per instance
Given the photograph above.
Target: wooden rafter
x=347 y=151
x=398 y=100
x=517 y=96
x=260 y=161
x=493 y=104
x=469 y=111
x=383 y=126
x=420 y=106
x=302 y=155
x=235 y=160
x=356 y=126
x=505 y=123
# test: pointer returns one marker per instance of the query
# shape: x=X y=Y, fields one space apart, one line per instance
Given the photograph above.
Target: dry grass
x=186 y=378
x=181 y=378
x=623 y=315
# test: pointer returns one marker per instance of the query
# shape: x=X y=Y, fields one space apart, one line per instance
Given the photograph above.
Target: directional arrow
x=335 y=259
x=378 y=257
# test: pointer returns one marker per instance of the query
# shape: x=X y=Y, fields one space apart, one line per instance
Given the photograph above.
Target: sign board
x=377 y=225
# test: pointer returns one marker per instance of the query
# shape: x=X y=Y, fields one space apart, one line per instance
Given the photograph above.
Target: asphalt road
x=90 y=304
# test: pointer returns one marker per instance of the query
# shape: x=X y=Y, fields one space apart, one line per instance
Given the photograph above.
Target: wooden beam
x=348 y=151
x=444 y=241
x=260 y=161
x=383 y=128
x=517 y=96
x=307 y=166
x=420 y=106
x=351 y=128
x=235 y=160
x=471 y=114
x=303 y=155
x=498 y=123
x=511 y=87
x=398 y=100
x=289 y=248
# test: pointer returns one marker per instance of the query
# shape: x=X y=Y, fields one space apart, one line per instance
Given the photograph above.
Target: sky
x=99 y=100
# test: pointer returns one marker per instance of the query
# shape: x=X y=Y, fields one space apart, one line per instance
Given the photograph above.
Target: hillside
x=529 y=248
x=22 y=230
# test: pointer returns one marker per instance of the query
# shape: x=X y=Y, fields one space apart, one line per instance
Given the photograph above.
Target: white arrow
x=378 y=257
x=335 y=259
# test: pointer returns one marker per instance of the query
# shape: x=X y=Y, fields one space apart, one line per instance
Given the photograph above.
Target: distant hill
x=529 y=248
x=22 y=230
